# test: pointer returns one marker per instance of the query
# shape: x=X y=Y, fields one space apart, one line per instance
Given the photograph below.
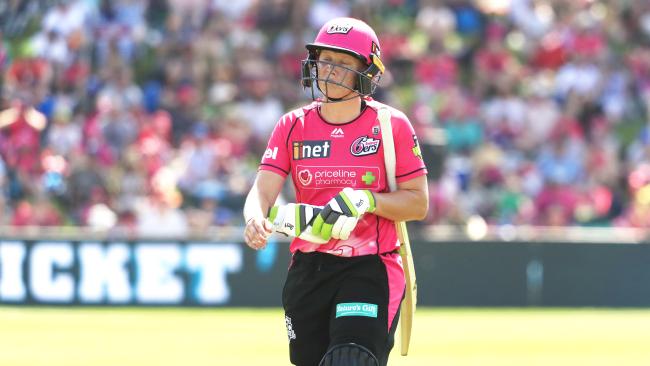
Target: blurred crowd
x=152 y=115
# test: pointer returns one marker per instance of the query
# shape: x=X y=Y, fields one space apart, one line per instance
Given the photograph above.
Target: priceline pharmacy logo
x=318 y=177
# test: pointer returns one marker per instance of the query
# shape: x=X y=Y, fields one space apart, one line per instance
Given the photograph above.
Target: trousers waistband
x=326 y=258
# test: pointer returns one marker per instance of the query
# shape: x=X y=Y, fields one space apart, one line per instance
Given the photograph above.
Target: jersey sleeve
x=276 y=156
x=409 y=162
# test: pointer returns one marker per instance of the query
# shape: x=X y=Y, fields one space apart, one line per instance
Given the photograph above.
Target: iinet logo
x=311 y=149
x=337 y=133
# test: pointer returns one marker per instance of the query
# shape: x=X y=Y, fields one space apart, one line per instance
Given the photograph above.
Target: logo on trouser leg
x=290 y=332
x=356 y=309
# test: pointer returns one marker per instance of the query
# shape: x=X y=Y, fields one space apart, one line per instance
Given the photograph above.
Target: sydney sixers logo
x=304 y=176
x=364 y=145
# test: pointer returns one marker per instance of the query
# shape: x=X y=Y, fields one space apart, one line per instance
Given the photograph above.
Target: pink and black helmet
x=351 y=36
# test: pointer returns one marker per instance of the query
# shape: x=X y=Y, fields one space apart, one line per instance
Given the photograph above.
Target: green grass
x=458 y=337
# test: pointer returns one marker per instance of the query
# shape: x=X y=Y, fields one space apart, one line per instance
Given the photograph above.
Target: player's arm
x=265 y=191
x=409 y=202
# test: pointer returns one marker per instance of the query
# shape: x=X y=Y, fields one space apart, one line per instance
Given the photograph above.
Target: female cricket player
x=345 y=282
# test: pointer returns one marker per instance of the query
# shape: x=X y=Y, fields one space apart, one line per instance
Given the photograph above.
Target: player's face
x=336 y=73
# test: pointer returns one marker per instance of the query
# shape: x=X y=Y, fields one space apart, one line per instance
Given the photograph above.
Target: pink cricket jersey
x=323 y=158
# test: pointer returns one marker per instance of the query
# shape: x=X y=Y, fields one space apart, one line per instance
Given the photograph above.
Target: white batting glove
x=294 y=220
x=341 y=214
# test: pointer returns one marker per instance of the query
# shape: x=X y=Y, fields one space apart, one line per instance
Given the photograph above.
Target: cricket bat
x=410 y=298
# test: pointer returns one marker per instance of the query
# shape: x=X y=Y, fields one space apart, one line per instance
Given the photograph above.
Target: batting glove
x=341 y=214
x=294 y=220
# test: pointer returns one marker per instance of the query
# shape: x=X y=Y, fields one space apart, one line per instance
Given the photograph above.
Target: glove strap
x=371 y=199
x=273 y=213
x=299 y=219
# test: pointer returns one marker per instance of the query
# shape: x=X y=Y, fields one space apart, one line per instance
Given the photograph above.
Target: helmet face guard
x=350 y=36
x=365 y=81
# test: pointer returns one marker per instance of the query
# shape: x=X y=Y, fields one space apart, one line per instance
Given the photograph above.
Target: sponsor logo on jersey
x=337 y=133
x=364 y=145
x=271 y=153
x=305 y=177
x=318 y=177
x=342 y=28
x=368 y=178
x=416 y=148
x=375 y=130
x=311 y=149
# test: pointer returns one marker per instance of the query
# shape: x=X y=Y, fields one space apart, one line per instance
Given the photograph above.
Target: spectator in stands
x=39 y=213
x=157 y=215
x=21 y=126
x=199 y=157
x=259 y=106
x=540 y=117
x=64 y=135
